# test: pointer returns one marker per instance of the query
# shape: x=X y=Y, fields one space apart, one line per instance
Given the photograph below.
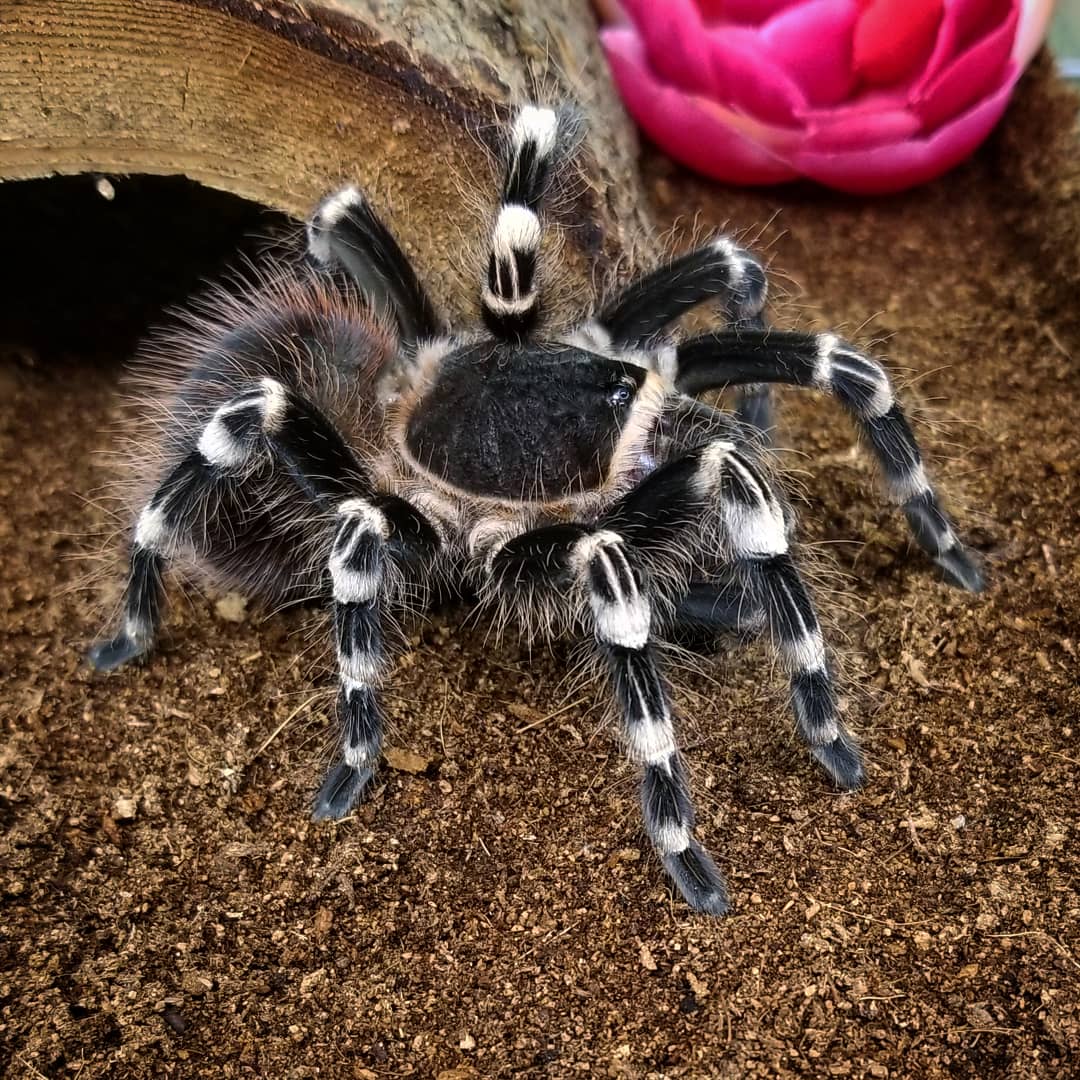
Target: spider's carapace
x=530 y=423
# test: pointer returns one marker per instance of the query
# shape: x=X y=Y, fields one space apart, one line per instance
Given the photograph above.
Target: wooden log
x=278 y=102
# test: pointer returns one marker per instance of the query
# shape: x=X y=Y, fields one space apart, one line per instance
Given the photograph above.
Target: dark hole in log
x=87 y=275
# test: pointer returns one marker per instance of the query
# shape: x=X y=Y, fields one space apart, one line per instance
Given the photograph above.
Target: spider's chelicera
x=329 y=435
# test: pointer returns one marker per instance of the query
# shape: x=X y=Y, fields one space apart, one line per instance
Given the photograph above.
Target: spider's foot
x=698 y=879
x=934 y=534
x=342 y=789
x=109 y=655
x=842 y=760
x=961 y=569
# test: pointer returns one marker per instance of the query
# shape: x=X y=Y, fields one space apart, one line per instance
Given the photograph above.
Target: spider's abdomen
x=299 y=331
x=524 y=424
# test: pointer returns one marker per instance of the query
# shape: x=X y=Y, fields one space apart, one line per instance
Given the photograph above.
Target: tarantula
x=329 y=435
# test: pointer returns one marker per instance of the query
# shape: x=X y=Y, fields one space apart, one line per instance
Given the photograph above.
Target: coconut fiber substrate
x=168 y=909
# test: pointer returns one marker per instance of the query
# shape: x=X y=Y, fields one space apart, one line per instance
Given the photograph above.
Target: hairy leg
x=345 y=232
x=510 y=296
x=719 y=493
x=718 y=271
x=571 y=562
x=861 y=385
x=272 y=422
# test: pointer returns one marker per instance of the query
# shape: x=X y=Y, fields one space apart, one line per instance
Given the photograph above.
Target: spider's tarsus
x=842 y=760
x=933 y=532
x=109 y=655
x=961 y=570
x=342 y=789
x=698 y=879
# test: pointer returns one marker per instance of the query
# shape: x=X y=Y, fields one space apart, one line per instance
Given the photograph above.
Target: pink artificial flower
x=868 y=96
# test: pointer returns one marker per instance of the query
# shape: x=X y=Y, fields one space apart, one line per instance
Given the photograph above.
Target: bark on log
x=278 y=102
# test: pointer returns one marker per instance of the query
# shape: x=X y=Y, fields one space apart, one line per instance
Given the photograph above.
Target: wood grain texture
x=279 y=102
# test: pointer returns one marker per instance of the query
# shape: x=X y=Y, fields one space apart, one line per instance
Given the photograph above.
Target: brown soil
x=168 y=910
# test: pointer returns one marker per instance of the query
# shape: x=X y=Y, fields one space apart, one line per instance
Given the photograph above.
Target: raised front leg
x=718 y=271
x=510 y=295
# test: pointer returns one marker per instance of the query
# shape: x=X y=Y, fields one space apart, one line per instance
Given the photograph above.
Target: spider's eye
x=621 y=394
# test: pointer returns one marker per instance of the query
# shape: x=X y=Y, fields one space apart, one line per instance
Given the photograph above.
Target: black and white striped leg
x=238 y=435
x=719 y=270
x=271 y=420
x=164 y=520
x=719 y=487
x=357 y=566
x=796 y=635
x=622 y=618
x=345 y=232
x=372 y=533
x=510 y=297
x=861 y=385
x=712 y=610
x=754 y=531
x=621 y=615
x=172 y=517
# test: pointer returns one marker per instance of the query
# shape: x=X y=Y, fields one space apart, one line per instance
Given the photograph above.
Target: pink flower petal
x=861 y=129
x=962 y=23
x=750 y=12
x=892 y=168
x=760 y=91
x=1034 y=16
x=968 y=77
x=866 y=103
x=675 y=42
x=697 y=132
x=894 y=39
x=747 y=78
x=812 y=41
x=973 y=21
